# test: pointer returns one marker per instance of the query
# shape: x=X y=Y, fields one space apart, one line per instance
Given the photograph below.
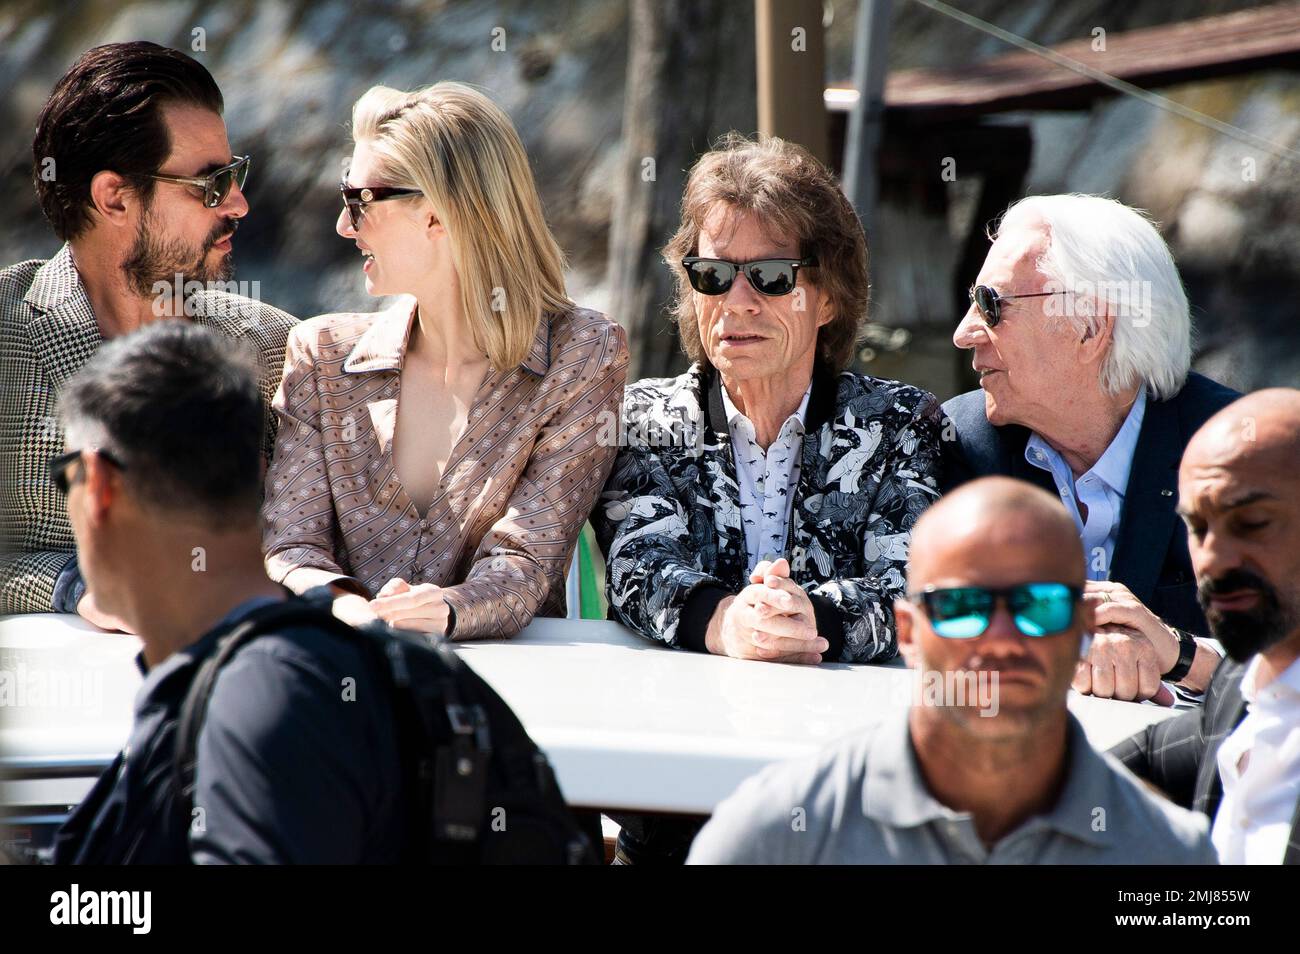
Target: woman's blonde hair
x=460 y=149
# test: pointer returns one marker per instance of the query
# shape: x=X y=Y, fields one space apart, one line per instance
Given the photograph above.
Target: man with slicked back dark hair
x=135 y=174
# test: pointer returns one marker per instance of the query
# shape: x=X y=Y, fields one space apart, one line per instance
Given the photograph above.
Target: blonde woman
x=435 y=462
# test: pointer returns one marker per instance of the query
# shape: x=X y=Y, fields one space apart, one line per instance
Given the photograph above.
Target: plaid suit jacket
x=47 y=332
x=1180 y=756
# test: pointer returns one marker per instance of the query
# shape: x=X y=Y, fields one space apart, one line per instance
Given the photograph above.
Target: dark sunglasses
x=59 y=466
x=769 y=276
x=964 y=612
x=356 y=198
x=989 y=302
x=215 y=185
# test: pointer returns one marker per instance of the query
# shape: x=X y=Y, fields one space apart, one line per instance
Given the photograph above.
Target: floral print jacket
x=669 y=519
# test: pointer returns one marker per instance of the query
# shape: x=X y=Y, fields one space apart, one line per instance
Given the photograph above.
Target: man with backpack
x=266 y=731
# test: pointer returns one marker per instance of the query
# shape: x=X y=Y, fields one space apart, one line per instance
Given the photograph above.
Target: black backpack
x=479 y=789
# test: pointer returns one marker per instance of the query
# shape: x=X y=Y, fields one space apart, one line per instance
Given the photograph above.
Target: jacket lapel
x=810 y=490
x=720 y=482
x=383 y=349
x=1149 y=516
x=463 y=497
x=64 y=332
x=1230 y=711
x=1229 y=708
x=383 y=418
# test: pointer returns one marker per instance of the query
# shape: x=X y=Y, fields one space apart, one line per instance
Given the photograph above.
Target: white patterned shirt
x=766 y=479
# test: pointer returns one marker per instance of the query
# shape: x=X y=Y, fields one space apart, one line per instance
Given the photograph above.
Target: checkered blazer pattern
x=47 y=332
x=1180 y=756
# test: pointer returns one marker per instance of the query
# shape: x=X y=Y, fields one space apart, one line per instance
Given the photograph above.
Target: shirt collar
x=894 y=792
x=383 y=346
x=1116 y=461
x=732 y=412
x=1281 y=691
x=823 y=405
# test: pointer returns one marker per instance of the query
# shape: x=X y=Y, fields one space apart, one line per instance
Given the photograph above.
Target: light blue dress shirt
x=1101 y=489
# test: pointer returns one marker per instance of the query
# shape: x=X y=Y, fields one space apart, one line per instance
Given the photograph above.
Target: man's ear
x=904 y=621
x=1095 y=343
x=825 y=310
x=112 y=197
x=102 y=485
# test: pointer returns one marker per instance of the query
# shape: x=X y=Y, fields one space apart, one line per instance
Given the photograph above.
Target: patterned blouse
x=671 y=525
x=521 y=480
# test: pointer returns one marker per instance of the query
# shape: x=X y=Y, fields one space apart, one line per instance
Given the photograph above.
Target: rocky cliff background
x=290 y=70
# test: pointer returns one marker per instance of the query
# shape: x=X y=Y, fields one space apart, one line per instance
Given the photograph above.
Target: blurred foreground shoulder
x=789 y=813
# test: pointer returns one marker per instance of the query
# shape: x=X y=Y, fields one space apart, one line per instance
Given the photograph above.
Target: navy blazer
x=1150 y=556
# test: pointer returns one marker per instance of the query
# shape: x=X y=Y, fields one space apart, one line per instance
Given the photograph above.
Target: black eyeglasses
x=769 y=276
x=216 y=185
x=965 y=612
x=989 y=302
x=59 y=466
x=356 y=198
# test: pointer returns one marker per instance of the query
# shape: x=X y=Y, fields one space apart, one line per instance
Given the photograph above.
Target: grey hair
x=1104 y=252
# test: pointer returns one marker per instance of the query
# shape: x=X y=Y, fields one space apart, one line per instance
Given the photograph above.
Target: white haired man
x=1081 y=337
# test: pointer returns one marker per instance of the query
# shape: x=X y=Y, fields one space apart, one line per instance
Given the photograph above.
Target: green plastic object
x=590 y=598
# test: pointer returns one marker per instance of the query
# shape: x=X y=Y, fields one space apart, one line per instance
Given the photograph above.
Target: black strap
x=194 y=708
x=446 y=795
x=1186 y=656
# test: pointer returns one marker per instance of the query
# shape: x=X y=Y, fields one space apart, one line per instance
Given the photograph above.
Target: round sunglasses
x=989 y=303
x=216 y=185
x=768 y=276
x=965 y=612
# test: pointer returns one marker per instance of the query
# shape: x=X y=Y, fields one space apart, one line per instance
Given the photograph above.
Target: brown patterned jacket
x=539 y=441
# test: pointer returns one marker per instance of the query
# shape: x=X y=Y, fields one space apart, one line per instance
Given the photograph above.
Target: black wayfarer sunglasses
x=216 y=185
x=769 y=276
x=59 y=466
x=355 y=199
x=989 y=302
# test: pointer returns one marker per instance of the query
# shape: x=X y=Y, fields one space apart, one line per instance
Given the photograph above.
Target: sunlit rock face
x=290 y=72
x=291 y=69
x=1230 y=211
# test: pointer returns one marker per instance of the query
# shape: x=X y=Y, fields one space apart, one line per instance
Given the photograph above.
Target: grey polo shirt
x=863 y=801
